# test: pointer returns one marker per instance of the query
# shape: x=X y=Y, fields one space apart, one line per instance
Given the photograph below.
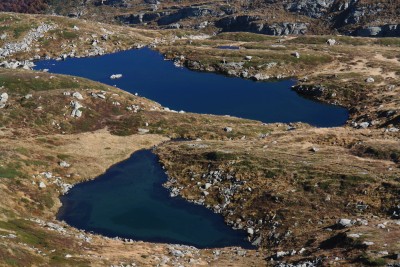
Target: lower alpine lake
x=145 y=72
x=129 y=201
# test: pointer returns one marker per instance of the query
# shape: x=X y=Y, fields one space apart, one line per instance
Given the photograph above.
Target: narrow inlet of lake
x=129 y=201
x=146 y=72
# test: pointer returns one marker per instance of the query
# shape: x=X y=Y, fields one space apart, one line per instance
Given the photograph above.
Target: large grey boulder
x=77 y=95
x=3 y=100
x=310 y=8
x=76 y=106
x=3 y=97
x=345 y=222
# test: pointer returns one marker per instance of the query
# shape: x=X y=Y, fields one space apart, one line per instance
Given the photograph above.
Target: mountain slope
x=354 y=17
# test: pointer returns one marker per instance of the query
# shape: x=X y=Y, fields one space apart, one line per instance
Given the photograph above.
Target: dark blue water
x=145 y=72
x=228 y=47
x=129 y=201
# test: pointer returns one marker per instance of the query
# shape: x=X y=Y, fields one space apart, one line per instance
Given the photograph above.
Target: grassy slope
x=274 y=166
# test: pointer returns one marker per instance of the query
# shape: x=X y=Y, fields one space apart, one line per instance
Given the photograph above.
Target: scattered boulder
x=3 y=97
x=256 y=241
x=296 y=54
x=228 y=129
x=331 y=42
x=250 y=231
x=364 y=125
x=176 y=253
x=64 y=164
x=47 y=175
x=76 y=113
x=260 y=77
x=354 y=235
x=42 y=185
x=76 y=106
x=345 y=223
x=3 y=100
x=143 y=131
x=381 y=226
x=281 y=254
x=77 y=95
x=173 y=26
x=207 y=186
x=368 y=243
x=370 y=80
x=393 y=130
x=241 y=253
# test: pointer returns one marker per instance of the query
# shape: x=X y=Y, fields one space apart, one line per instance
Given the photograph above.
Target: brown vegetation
x=23 y=6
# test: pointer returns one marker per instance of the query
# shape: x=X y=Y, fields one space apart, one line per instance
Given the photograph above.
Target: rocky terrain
x=306 y=196
x=350 y=17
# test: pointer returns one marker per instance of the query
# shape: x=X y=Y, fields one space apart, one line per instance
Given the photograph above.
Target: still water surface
x=129 y=201
x=146 y=73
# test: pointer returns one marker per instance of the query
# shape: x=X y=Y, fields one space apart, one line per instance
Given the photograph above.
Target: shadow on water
x=145 y=72
x=129 y=201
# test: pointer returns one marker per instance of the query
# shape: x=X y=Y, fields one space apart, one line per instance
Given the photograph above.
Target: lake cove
x=146 y=72
x=129 y=201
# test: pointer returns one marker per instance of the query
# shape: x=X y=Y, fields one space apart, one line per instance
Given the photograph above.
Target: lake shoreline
x=210 y=92
x=62 y=216
x=257 y=77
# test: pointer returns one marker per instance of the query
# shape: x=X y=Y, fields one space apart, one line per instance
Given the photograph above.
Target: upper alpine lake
x=146 y=72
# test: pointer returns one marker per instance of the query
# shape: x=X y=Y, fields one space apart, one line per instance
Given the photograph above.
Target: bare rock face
x=116 y=3
x=310 y=8
x=256 y=24
x=351 y=17
x=388 y=30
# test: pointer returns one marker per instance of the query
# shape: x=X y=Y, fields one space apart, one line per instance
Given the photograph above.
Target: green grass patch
x=388 y=41
x=68 y=35
x=63 y=156
x=22 y=150
x=24 y=84
x=309 y=40
x=10 y=171
x=21 y=29
x=369 y=261
x=244 y=37
x=219 y=156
